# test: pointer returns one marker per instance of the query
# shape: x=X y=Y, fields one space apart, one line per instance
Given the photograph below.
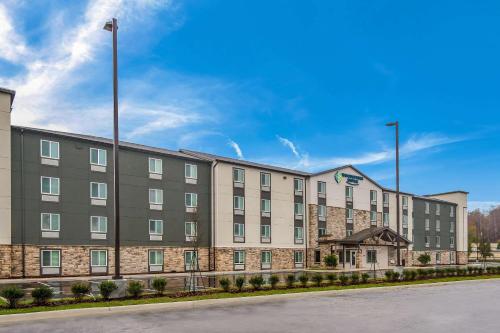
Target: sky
x=307 y=85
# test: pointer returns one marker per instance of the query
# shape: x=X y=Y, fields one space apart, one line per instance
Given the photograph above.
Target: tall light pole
x=113 y=27
x=398 y=255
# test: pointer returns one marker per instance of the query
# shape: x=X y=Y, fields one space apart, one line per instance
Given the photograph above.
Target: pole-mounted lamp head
x=391 y=124
x=108 y=26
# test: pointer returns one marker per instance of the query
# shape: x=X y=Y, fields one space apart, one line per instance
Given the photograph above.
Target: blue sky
x=306 y=85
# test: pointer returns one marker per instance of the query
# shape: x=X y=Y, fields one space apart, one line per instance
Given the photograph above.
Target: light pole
x=398 y=255
x=113 y=27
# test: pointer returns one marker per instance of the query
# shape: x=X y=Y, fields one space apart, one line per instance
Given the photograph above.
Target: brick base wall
x=5 y=261
x=445 y=257
x=281 y=258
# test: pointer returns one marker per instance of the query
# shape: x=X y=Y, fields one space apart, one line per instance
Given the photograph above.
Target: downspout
x=23 y=214
x=212 y=175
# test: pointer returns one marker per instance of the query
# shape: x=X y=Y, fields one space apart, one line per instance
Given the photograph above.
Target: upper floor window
x=427 y=241
x=239 y=203
x=386 y=199
x=321 y=188
x=265 y=205
x=349 y=215
x=452 y=211
x=50 y=222
x=322 y=211
x=452 y=241
x=239 y=230
x=386 y=219
x=155 y=227
x=405 y=221
x=427 y=208
x=99 y=224
x=298 y=184
x=265 y=179
x=49 y=149
x=98 y=190
x=438 y=209
x=299 y=208
x=50 y=185
x=438 y=225
x=348 y=192
x=452 y=226
x=238 y=175
x=98 y=156
x=427 y=224
x=265 y=231
x=438 y=241
x=190 y=229
x=405 y=201
x=155 y=165
x=299 y=233
x=373 y=218
x=191 y=171
x=373 y=197
x=191 y=200
x=155 y=196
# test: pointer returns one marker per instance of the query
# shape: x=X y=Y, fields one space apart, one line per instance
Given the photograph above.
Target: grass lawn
x=221 y=295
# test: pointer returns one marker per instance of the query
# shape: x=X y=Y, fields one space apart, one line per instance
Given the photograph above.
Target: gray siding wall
x=75 y=208
x=419 y=232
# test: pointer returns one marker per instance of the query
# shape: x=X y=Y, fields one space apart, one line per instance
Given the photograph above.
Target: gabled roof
x=443 y=193
x=385 y=233
x=211 y=157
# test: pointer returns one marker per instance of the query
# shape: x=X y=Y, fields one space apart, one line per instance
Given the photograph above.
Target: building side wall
x=5 y=170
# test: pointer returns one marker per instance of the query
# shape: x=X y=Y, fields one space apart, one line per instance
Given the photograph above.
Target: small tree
x=424 y=259
x=290 y=280
x=303 y=278
x=135 y=288
x=484 y=249
x=159 y=284
x=317 y=278
x=331 y=260
x=79 y=290
x=239 y=282
x=225 y=284
x=331 y=277
x=274 y=280
x=106 y=288
x=12 y=295
x=256 y=281
x=41 y=295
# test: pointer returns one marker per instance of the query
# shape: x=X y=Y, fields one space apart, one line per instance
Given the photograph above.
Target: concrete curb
x=200 y=304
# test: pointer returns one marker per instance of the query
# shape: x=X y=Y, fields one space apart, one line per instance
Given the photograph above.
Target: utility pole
x=398 y=254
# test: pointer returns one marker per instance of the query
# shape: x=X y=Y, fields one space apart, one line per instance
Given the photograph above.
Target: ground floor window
x=452 y=257
x=371 y=256
x=155 y=257
x=190 y=260
x=239 y=257
x=298 y=257
x=51 y=258
x=438 y=258
x=265 y=259
x=317 y=256
x=321 y=232
x=98 y=258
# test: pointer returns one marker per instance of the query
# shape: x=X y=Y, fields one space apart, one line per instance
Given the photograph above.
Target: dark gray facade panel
x=75 y=205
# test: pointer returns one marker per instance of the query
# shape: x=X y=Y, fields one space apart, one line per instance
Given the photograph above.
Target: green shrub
x=388 y=275
x=343 y=279
x=439 y=272
x=225 y=284
x=407 y=275
x=451 y=271
x=106 y=288
x=355 y=278
x=135 y=288
x=396 y=276
x=331 y=277
x=79 y=290
x=422 y=273
x=317 y=278
x=41 y=295
x=498 y=269
x=256 y=281
x=290 y=280
x=331 y=260
x=159 y=284
x=274 y=280
x=239 y=282
x=413 y=274
x=303 y=278
x=431 y=272
x=424 y=259
x=12 y=295
x=365 y=277
x=470 y=270
x=491 y=270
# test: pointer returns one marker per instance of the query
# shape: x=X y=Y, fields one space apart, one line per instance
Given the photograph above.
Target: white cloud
x=13 y=47
x=483 y=206
x=236 y=148
x=287 y=143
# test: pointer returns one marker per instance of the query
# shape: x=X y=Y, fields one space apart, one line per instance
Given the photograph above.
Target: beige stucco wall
x=393 y=214
x=282 y=208
x=5 y=169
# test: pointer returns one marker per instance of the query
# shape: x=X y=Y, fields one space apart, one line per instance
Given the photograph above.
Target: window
x=438 y=225
x=155 y=227
x=386 y=199
x=265 y=231
x=321 y=232
x=427 y=224
x=386 y=219
x=51 y=258
x=452 y=226
x=190 y=229
x=98 y=190
x=321 y=187
x=239 y=230
x=405 y=233
x=298 y=184
x=371 y=256
x=405 y=221
x=238 y=175
x=373 y=218
x=265 y=205
x=299 y=208
x=191 y=260
x=239 y=257
x=191 y=200
x=373 y=197
x=299 y=233
x=50 y=222
x=155 y=257
x=348 y=192
x=349 y=213
x=265 y=257
x=452 y=257
x=452 y=211
x=155 y=196
x=50 y=185
x=438 y=258
x=438 y=241
x=322 y=211
x=427 y=240
x=155 y=165
x=348 y=232
x=265 y=179
x=438 y=209
x=99 y=224
x=191 y=171
x=239 y=203
x=298 y=257
x=98 y=258
x=49 y=149
x=452 y=241
x=98 y=156
x=427 y=208
x=317 y=256
x=405 y=201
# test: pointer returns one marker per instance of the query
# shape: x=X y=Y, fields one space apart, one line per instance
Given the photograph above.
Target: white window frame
x=298 y=255
x=51 y=264
x=404 y=201
x=405 y=221
x=385 y=198
x=193 y=255
x=191 y=168
x=452 y=226
x=156 y=223
x=452 y=241
x=349 y=215
x=265 y=205
x=99 y=190
x=267 y=177
x=189 y=202
x=298 y=184
x=239 y=175
x=99 y=162
x=321 y=232
x=239 y=202
x=298 y=211
x=452 y=211
x=265 y=234
x=369 y=256
x=373 y=217
x=438 y=257
x=321 y=210
x=438 y=241
x=192 y=226
x=156 y=263
x=99 y=264
x=155 y=162
x=239 y=257
x=51 y=216
x=239 y=229
x=386 y=220
x=266 y=254
x=373 y=197
x=349 y=192
x=427 y=208
x=427 y=224
x=438 y=209
x=427 y=241
x=438 y=225
x=321 y=187
x=51 y=143
x=156 y=191
x=100 y=220
x=51 y=185
x=298 y=234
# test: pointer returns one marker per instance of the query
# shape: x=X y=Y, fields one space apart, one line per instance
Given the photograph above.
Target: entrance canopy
x=379 y=235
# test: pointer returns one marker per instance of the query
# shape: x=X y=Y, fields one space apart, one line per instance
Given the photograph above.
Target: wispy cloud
x=236 y=148
x=13 y=46
x=287 y=143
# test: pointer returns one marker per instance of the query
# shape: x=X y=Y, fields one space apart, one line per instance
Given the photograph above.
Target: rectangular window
x=239 y=230
x=438 y=258
x=322 y=211
x=438 y=241
x=427 y=240
x=373 y=218
x=371 y=256
x=155 y=165
x=191 y=200
x=190 y=260
x=51 y=258
x=155 y=257
x=265 y=205
x=452 y=211
x=99 y=224
x=405 y=201
x=349 y=214
x=405 y=221
x=298 y=184
x=373 y=197
x=239 y=257
x=49 y=149
x=98 y=156
x=386 y=219
x=348 y=192
x=299 y=233
x=50 y=222
x=239 y=203
x=438 y=209
x=155 y=227
x=265 y=231
x=155 y=196
x=265 y=257
x=98 y=190
x=191 y=171
x=452 y=241
x=321 y=187
x=438 y=225
x=265 y=179
x=386 y=199
x=298 y=257
x=452 y=226
x=98 y=258
x=321 y=232
x=190 y=229
x=299 y=208
x=427 y=208
x=50 y=185
x=238 y=175
x=427 y=225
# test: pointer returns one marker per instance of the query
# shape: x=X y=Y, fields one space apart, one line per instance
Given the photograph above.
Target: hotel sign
x=350 y=179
